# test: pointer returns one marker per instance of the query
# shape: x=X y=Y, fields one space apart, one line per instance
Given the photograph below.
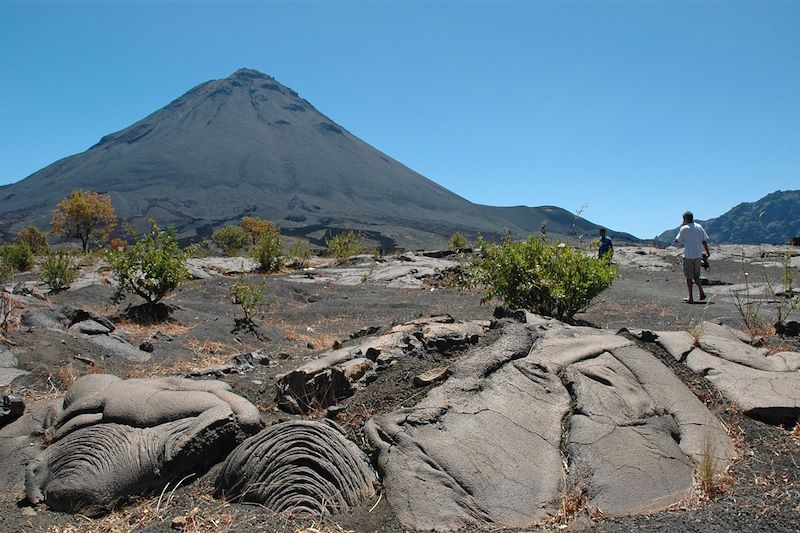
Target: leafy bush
x=248 y=296
x=345 y=245
x=546 y=278
x=231 y=239
x=57 y=270
x=34 y=238
x=151 y=268
x=256 y=227
x=457 y=242
x=301 y=251
x=268 y=249
x=18 y=255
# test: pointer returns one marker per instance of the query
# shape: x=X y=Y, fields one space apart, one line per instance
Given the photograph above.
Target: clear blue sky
x=637 y=110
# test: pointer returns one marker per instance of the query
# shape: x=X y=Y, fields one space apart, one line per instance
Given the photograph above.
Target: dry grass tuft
x=709 y=482
x=796 y=431
x=207 y=353
x=201 y=513
x=697 y=332
x=140 y=332
x=319 y=341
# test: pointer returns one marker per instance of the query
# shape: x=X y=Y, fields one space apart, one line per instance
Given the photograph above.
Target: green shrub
x=57 y=270
x=301 y=251
x=198 y=249
x=34 y=238
x=457 y=242
x=248 y=296
x=268 y=249
x=151 y=268
x=231 y=239
x=6 y=270
x=345 y=245
x=19 y=255
x=546 y=278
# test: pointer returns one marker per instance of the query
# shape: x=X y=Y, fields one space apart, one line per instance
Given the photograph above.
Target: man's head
x=602 y=232
x=688 y=217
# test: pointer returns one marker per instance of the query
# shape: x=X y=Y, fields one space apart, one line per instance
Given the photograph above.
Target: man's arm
x=705 y=247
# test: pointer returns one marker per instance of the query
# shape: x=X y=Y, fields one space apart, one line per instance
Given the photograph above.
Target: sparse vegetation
x=750 y=305
x=457 y=242
x=6 y=270
x=17 y=255
x=57 y=270
x=345 y=245
x=34 y=238
x=301 y=251
x=151 y=268
x=231 y=239
x=7 y=306
x=268 y=249
x=198 y=249
x=551 y=279
x=84 y=215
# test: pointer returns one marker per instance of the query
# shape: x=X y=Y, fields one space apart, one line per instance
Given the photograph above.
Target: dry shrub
x=319 y=341
x=7 y=307
x=206 y=354
x=200 y=514
x=778 y=347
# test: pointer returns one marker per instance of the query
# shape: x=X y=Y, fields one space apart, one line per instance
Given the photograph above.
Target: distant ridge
x=248 y=145
x=774 y=219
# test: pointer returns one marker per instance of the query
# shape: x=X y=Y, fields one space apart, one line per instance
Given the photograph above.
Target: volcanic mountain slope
x=247 y=145
x=774 y=219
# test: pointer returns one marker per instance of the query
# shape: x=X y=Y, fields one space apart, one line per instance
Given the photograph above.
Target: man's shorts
x=691 y=268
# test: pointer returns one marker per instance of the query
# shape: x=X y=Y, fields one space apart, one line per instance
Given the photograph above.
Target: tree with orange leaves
x=257 y=227
x=84 y=215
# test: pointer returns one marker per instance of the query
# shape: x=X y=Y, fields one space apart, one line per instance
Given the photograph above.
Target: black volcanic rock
x=774 y=219
x=247 y=145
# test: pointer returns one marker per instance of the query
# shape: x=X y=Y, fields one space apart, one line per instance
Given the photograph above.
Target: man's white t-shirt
x=691 y=236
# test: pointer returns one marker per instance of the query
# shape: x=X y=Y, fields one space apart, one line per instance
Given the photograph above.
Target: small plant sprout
x=248 y=297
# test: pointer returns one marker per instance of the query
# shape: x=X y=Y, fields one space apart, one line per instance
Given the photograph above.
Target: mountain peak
x=248 y=74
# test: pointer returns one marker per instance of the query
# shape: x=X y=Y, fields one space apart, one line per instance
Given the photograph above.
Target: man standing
x=694 y=240
x=606 y=246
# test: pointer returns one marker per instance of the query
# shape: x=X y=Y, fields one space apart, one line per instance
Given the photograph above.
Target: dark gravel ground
x=760 y=493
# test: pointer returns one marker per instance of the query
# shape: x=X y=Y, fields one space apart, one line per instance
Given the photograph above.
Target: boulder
x=8 y=367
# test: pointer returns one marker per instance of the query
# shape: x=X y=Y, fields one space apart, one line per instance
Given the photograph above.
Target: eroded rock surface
x=114 y=438
x=488 y=447
x=406 y=271
x=763 y=383
x=300 y=466
x=333 y=376
x=214 y=267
